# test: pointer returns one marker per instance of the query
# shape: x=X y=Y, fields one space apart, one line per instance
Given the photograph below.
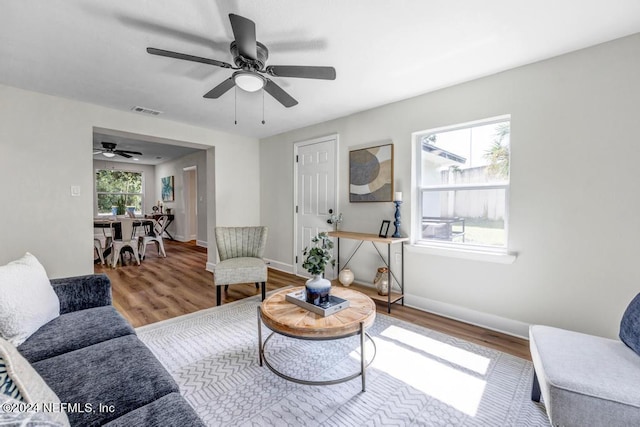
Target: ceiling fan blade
x=96 y=151
x=221 y=89
x=135 y=153
x=122 y=153
x=184 y=56
x=244 y=31
x=279 y=94
x=302 y=71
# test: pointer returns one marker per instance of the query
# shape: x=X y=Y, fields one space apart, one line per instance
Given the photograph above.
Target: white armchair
x=240 y=250
x=586 y=380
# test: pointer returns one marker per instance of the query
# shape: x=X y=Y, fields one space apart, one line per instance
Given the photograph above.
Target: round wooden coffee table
x=291 y=320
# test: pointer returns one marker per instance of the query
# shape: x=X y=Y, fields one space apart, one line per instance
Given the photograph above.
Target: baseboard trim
x=467 y=315
x=209 y=266
x=202 y=243
x=280 y=266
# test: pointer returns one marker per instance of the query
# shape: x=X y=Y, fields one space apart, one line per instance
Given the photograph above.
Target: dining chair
x=240 y=250
x=155 y=236
x=97 y=246
x=126 y=239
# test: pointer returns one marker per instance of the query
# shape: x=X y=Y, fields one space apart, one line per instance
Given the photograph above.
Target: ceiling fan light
x=248 y=81
x=107 y=154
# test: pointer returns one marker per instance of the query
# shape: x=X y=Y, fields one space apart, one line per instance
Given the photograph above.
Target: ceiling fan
x=250 y=57
x=109 y=150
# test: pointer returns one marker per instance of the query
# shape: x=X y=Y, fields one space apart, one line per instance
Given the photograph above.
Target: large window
x=119 y=189
x=463 y=178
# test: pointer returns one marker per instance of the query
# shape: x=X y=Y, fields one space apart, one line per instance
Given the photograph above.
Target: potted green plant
x=316 y=259
x=120 y=206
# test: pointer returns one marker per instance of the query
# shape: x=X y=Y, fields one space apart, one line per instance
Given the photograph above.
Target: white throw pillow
x=32 y=389
x=27 y=299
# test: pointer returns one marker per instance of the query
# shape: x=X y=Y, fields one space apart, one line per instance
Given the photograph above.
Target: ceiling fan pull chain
x=262 y=105
x=235 y=105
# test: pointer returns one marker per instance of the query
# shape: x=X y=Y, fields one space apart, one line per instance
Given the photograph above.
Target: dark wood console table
x=391 y=297
x=170 y=218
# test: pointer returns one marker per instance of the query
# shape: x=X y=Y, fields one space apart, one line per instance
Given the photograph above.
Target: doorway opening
x=191 y=198
x=190 y=167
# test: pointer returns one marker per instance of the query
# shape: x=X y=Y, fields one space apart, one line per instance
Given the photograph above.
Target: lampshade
x=107 y=154
x=248 y=81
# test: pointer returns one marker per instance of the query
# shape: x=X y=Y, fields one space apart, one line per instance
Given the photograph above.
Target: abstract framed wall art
x=167 y=188
x=371 y=174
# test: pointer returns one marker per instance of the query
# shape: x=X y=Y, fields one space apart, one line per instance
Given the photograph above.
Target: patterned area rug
x=418 y=377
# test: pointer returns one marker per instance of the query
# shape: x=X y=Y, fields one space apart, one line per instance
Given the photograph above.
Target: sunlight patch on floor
x=403 y=355
x=458 y=356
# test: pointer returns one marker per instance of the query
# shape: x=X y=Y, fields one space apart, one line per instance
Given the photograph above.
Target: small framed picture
x=384 y=228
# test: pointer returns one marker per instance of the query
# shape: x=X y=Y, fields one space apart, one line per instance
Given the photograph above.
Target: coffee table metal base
x=363 y=361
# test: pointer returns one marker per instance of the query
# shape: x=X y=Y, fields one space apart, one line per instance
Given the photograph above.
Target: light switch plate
x=75 y=190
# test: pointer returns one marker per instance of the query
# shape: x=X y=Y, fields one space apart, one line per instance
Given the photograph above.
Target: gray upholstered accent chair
x=586 y=380
x=240 y=250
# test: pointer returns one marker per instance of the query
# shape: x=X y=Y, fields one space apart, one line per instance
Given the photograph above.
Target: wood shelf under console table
x=391 y=297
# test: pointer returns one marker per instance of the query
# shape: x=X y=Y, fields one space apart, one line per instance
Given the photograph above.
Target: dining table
x=107 y=222
x=103 y=223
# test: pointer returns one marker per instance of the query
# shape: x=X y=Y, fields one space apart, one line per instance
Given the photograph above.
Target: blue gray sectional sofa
x=91 y=355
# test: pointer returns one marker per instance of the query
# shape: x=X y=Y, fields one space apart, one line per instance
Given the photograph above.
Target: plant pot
x=317 y=290
x=346 y=277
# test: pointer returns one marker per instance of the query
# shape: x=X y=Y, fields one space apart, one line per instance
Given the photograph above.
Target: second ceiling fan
x=250 y=57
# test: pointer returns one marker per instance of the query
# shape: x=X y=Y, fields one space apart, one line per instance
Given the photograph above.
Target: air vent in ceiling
x=146 y=111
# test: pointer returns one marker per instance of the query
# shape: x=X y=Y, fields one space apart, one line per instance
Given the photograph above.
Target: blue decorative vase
x=318 y=289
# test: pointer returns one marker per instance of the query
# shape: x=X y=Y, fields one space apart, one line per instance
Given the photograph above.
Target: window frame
x=96 y=192
x=450 y=247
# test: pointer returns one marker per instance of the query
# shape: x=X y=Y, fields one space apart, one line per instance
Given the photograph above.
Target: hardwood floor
x=163 y=288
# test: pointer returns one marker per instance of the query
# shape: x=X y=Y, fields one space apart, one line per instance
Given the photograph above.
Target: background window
x=464 y=184
x=118 y=189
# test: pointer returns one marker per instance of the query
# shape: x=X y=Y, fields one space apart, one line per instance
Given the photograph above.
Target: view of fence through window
x=464 y=181
x=118 y=190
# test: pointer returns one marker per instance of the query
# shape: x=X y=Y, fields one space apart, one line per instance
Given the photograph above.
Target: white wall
x=573 y=201
x=46 y=147
x=179 y=207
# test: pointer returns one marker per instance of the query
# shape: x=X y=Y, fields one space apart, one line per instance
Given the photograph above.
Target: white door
x=315 y=194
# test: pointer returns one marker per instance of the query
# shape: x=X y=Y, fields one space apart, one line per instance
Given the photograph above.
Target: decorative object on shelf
x=317 y=258
x=379 y=272
x=382 y=281
x=334 y=219
x=384 y=228
x=397 y=201
x=167 y=188
x=346 y=277
x=371 y=174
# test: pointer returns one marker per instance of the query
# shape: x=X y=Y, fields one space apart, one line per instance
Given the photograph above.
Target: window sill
x=495 y=257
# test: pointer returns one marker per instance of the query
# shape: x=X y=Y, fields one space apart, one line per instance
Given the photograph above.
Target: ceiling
x=383 y=51
x=153 y=153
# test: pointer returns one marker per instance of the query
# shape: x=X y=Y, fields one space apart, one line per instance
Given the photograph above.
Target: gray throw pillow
x=630 y=325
